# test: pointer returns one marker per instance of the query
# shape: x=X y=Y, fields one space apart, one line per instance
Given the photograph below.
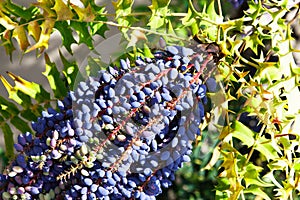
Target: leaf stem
x=143 y=30
x=144 y=14
x=245 y=60
x=220 y=8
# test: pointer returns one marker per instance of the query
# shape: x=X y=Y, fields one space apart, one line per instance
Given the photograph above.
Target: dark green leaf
x=54 y=79
x=8 y=106
x=82 y=30
x=29 y=115
x=70 y=71
x=8 y=140
x=7 y=43
x=98 y=27
x=66 y=34
x=18 y=10
x=20 y=124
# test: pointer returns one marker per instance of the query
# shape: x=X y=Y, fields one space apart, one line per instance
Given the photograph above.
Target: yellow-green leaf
x=21 y=37
x=84 y=14
x=63 y=12
x=47 y=27
x=32 y=89
x=34 y=30
x=159 y=4
x=159 y=11
x=257 y=191
x=122 y=6
x=252 y=176
x=190 y=20
x=12 y=92
x=265 y=147
x=243 y=133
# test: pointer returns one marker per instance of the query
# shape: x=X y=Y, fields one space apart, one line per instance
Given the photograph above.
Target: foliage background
x=257 y=68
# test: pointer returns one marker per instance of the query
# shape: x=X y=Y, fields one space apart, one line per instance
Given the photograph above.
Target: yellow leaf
x=7 y=22
x=34 y=30
x=21 y=37
x=12 y=92
x=29 y=88
x=63 y=12
x=47 y=27
x=84 y=14
x=229 y=164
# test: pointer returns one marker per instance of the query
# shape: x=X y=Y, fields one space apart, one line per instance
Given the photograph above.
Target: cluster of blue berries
x=121 y=135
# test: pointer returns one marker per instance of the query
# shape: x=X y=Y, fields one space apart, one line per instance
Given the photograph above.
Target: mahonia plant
x=123 y=132
x=121 y=135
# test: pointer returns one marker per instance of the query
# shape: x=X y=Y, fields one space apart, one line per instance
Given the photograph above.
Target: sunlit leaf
x=98 y=27
x=123 y=9
x=70 y=71
x=159 y=4
x=190 y=20
x=54 y=79
x=12 y=92
x=252 y=42
x=252 y=176
x=229 y=164
x=47 y=27
x=257 y=191
x=243 y=133
x=7 y=22
x=159 y=10
x=265 y=147
x=208 y=28
x=147 y=52
x=32 y=89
